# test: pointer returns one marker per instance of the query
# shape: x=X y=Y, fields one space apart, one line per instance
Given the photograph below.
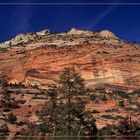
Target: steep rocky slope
x=102 y=58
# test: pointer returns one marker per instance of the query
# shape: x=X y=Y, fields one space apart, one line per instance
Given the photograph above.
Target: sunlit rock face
x=75 y=31
x=24 y=38
x=102 y=58
x=107 y=34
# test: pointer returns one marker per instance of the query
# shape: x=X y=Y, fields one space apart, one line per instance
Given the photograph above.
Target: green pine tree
x=65 y=113
x=75 y=117
x=49 y=115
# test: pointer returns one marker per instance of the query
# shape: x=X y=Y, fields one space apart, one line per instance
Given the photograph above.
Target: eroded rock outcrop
x=24 y=38
x=107 y=34
x=75 y=31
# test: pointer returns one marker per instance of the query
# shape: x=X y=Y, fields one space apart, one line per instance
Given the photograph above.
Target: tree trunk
x=69 y=113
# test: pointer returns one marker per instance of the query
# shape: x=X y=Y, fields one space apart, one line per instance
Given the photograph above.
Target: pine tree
x=49 y=115
x=64 y=113
x=52 y=92
x=72 y=91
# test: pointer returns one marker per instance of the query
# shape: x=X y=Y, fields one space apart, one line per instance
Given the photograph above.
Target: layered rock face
x=101 y=58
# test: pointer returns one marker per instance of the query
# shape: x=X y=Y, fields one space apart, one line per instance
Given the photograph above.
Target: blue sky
x=123 y=20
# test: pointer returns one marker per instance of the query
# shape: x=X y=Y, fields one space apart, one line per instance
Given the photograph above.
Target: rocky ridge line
x=25 y=38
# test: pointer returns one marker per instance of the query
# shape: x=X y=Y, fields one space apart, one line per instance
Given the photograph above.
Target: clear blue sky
x=123 y=20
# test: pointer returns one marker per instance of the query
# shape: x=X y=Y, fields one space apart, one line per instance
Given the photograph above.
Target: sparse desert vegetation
x=68 y=109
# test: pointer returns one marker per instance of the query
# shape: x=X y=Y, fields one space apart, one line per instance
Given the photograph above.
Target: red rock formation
x=101 y=60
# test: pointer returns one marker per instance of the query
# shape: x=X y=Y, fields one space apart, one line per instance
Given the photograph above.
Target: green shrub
x=121 y=103
x=121 y=94
x=4 y=130
x=11 y=118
